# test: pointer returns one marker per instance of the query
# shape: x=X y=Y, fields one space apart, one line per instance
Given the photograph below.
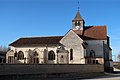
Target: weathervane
x=78 y=6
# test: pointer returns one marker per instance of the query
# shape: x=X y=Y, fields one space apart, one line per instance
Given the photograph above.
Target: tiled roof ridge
x=96 y=26
x=41 y=36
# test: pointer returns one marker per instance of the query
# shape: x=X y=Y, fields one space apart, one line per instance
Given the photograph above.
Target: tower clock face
x=77 y=27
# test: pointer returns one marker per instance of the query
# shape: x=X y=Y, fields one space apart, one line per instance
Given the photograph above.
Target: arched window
x=35 y=58
x=15 y=54
x=92 y=53
x=62 y=56
x=71 y=54
x=35 y=53
x=20 y=55
x=10 y=59
x=51 y=55
x=75 y=23
x=78 y=23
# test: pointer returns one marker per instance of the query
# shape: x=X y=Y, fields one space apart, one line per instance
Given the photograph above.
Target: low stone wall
x=20 y=69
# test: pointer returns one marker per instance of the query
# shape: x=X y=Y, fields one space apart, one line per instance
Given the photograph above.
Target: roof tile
x=93 y=32
x=35 y=41
x=77 y=17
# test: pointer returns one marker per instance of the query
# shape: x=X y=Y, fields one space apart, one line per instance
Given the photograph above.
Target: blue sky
x=26 y=18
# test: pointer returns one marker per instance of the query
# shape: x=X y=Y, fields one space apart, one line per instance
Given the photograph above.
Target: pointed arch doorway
x=35 y=58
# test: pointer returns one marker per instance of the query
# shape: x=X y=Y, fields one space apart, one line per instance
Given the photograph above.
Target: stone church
x=80 y=45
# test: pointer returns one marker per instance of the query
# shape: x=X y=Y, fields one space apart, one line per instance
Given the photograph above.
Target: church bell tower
x=78 y=22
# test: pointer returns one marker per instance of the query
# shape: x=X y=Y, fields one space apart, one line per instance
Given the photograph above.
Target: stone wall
x=72 y=41
x=17 y=69
x=43 y=56
x=96 y=45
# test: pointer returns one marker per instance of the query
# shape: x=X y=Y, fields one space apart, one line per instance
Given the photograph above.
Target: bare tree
x=118 y=57
x=3 y=48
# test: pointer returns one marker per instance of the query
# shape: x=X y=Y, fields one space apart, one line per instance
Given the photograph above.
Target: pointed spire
x=78 y=16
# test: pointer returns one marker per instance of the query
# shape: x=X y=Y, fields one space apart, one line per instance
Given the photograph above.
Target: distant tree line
x=4 y=48
x=3 y=51
x=118 y=56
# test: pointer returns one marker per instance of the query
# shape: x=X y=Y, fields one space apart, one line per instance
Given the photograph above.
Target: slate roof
x=37 y=41
x=77 y=17
x=93 y=33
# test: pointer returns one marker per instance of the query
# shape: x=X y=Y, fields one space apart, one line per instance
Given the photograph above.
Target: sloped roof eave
x=37 y=41
x=33 y=45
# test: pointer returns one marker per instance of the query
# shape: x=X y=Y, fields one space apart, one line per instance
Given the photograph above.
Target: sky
x=31 y=18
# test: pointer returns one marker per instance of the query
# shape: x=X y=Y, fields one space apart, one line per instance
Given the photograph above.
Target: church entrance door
x=62 y=58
